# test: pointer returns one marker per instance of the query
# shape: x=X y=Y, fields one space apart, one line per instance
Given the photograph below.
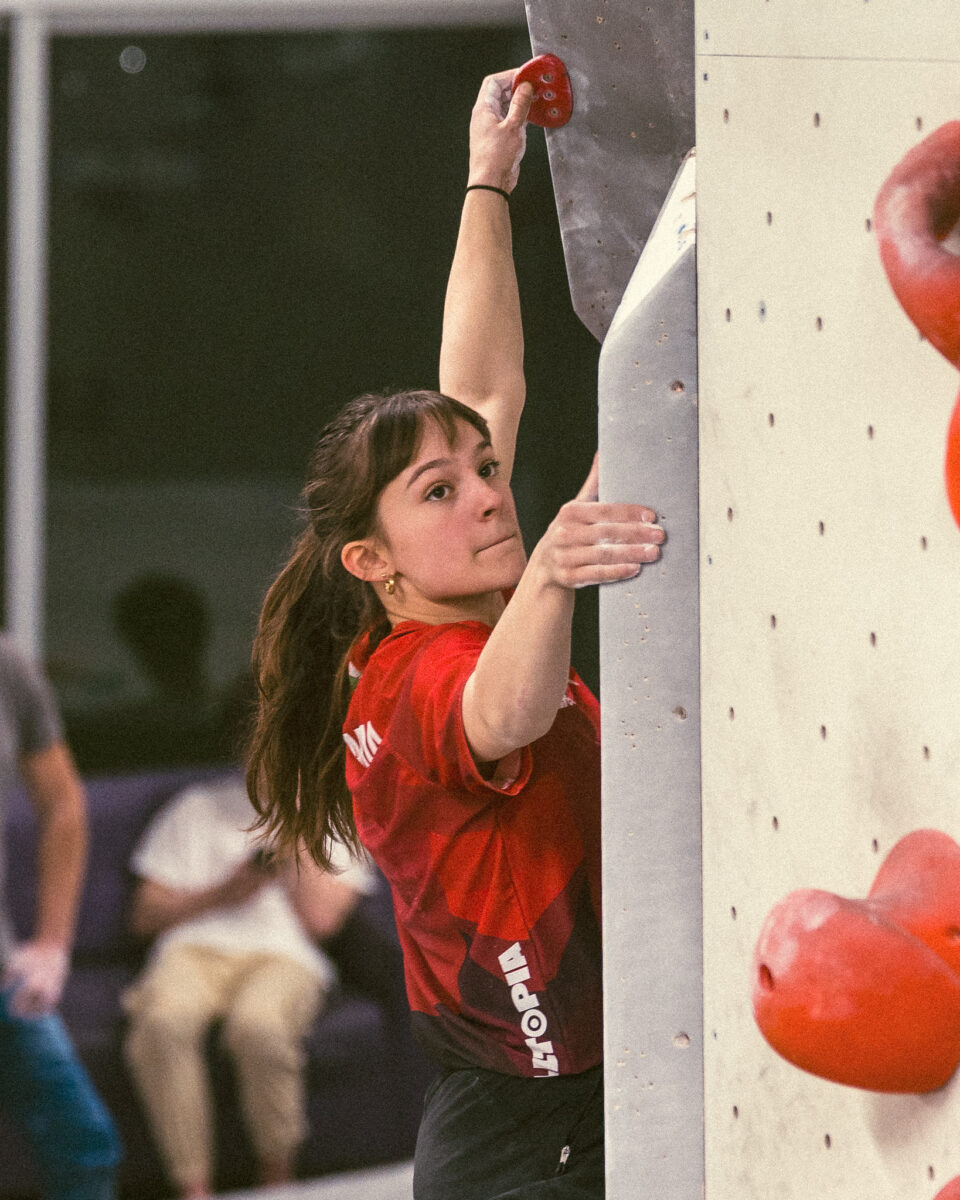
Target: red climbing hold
x=951 y=465
x=918 y=888
x=846 y=994
x=950 y=1192
x=553 y=95
x=916 y=209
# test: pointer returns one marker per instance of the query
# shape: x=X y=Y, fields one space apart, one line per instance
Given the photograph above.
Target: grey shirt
x=29 y=723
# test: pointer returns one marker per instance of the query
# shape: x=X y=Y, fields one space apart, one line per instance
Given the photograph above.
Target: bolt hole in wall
x=198 y=175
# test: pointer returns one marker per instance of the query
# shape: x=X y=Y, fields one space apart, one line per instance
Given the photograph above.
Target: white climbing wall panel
x=830 y=565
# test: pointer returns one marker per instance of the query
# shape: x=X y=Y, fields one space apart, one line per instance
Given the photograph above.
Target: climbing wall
x=624 y=185
x=631 y=67
x=649 y=693
x=829 y=561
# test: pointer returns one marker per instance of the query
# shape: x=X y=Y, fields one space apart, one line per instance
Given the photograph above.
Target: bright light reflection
x=133 y=60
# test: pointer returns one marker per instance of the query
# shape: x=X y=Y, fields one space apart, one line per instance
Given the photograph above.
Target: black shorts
x=488 y=1136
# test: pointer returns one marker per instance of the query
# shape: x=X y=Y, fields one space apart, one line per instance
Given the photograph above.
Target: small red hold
x=951 y=466
x=553 y=95
x=950 y=1192
x=844 y=993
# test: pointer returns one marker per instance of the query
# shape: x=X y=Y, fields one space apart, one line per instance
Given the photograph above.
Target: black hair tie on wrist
x=487 y=187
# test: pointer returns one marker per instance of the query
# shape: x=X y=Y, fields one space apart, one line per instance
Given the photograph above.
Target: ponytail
x=295 y=764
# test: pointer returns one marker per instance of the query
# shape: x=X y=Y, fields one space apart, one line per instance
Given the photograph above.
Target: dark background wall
x=246 y=231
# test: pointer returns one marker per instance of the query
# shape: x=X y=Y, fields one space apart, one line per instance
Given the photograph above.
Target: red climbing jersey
x=496 y=883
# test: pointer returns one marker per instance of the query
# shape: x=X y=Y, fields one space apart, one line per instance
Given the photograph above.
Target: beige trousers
x=267 y=1003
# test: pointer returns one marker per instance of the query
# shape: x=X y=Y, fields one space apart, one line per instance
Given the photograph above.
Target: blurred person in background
x=164 y=623
x=43 y=1086
x=236 y=940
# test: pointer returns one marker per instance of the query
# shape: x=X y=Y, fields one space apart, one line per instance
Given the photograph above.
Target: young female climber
x=417 y=696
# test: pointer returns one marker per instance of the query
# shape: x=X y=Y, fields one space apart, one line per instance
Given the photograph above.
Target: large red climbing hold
x=950 y=1192
x=553 y=96
x=844 y=993
x=918 y=888
x=915 y=210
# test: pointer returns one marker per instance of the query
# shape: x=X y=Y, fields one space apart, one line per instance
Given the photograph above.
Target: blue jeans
x=46 y=1091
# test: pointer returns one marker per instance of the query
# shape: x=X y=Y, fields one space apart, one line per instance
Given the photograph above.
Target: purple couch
x=365 y=1076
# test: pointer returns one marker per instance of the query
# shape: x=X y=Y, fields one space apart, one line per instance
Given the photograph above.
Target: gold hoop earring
x=390 y=585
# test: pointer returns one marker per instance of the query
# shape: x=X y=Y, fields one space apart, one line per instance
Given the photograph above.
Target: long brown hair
x=314 y=612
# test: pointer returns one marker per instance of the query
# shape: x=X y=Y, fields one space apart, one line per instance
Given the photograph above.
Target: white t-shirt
x=196 y=841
